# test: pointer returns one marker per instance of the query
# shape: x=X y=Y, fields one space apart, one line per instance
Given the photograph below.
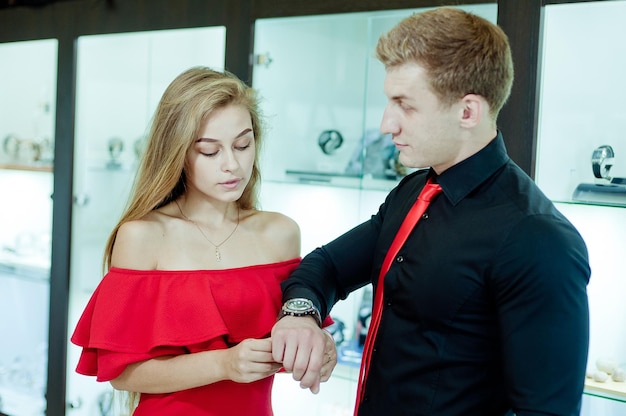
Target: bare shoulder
x=137 y=243
x=276 y=231
x=279 y=225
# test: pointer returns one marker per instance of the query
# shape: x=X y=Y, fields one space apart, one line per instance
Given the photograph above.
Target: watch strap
x=312 y=311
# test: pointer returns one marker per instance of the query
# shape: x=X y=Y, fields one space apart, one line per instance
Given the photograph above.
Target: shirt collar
x=459 y=180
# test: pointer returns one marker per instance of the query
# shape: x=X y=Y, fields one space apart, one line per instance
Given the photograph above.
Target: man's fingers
x=289 y=357
x=315 y=388
x=278 y=348
x=300 y=345
x=330 y=361
x=311 y=377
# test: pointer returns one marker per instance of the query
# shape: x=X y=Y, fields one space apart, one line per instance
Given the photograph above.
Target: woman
x=183 y=315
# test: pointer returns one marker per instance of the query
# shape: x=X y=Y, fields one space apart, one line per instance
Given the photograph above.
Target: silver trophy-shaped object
x=116 y=147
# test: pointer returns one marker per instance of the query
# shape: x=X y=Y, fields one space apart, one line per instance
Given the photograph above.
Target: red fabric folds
x=135 y=315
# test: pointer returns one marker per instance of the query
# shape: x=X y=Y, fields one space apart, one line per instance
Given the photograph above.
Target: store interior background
x=334 y=85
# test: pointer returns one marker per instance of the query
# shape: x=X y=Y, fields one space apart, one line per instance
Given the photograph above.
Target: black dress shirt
x=485 y=306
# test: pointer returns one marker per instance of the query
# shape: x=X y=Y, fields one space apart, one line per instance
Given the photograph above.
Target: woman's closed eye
x=243 y=146
x=211 y=152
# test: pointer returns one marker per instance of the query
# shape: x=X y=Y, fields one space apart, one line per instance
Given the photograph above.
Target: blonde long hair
x=184 y=106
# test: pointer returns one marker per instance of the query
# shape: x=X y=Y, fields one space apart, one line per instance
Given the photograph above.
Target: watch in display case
x=602 y=161
x=608 y=191
x=329 y=141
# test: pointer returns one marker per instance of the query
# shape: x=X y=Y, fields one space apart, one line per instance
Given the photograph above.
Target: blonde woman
x=182 y=317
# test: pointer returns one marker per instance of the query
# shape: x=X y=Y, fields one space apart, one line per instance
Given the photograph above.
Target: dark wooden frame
x=68 y=19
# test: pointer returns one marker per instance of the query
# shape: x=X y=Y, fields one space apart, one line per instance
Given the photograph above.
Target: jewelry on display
x=329 y=141
x=218 y=254
x=602 y=161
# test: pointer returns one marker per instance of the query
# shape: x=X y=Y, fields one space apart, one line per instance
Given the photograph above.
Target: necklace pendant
x=218 y=255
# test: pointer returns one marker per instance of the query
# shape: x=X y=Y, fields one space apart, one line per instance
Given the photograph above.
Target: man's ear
x=473 y=107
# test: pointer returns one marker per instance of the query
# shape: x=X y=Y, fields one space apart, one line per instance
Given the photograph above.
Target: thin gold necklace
x=218 y=254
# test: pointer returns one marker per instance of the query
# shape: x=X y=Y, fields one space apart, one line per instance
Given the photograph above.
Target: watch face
x=299 y=304
x=601 y=159
x=602 y=152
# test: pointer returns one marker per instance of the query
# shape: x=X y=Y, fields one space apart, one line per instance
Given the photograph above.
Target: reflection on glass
x=27 y=112
x=582 y=85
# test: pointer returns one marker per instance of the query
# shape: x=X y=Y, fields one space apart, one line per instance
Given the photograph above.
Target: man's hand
x=330 y=357
x=303 y=349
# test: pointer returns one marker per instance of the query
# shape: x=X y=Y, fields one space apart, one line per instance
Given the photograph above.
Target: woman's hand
x=251 y=360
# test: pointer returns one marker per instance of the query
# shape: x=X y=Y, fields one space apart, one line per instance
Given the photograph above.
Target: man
x=485 y=307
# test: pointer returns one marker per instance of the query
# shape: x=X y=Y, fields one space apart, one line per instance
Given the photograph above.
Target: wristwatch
x=300 y=307
x=602 y=161
x=329 y=141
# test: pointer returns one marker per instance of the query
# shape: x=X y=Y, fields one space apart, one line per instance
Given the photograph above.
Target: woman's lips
x=232 y=184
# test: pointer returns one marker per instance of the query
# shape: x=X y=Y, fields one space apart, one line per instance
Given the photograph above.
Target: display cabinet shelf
x=33 y=168
x=609 y=389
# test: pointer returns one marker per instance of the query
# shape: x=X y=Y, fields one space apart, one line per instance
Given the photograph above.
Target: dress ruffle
x=134 y=315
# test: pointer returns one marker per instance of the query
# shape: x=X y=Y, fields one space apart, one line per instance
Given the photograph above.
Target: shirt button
x=399 y=259
x=425 y=216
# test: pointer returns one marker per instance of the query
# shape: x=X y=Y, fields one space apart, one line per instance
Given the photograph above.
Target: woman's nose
x=229 y=161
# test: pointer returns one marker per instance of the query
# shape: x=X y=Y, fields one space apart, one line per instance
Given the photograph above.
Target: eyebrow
x=398 y=97
x=209 y=139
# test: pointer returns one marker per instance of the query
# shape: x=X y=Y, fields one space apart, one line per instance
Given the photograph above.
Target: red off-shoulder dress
x=135 y=315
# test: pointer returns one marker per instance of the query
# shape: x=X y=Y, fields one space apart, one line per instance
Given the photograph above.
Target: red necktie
x=430 y=191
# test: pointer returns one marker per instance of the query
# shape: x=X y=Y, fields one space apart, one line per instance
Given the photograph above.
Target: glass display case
x=120 y=79
x=325 y=162
x=581 y=152
x=322 y=91
x=581 y=165
x=27 y=105
x=27 y=111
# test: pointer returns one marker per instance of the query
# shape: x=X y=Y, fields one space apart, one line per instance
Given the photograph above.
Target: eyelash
x=240 y=148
